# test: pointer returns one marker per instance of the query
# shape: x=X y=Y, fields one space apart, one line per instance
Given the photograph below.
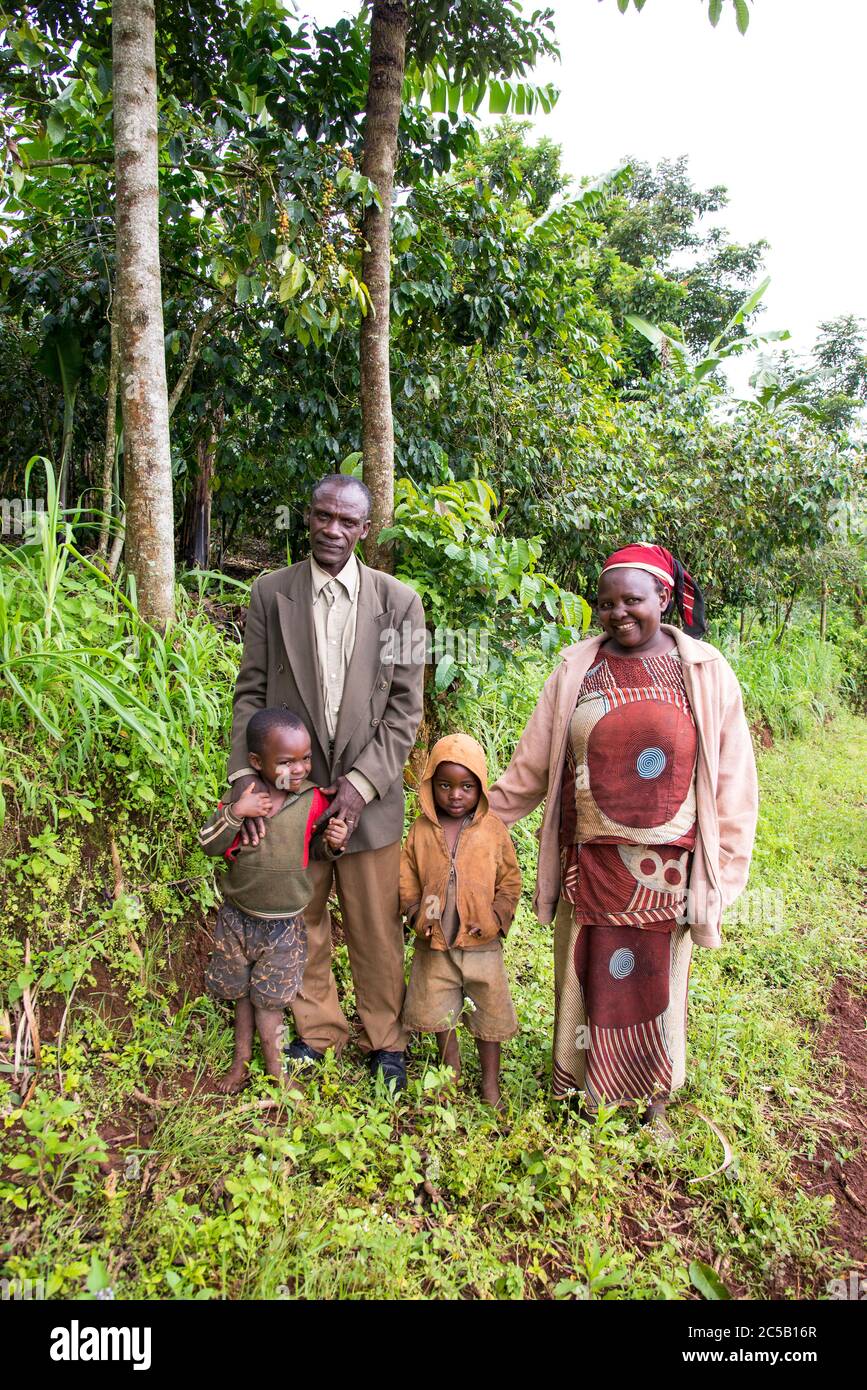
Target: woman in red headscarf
x=641 y=750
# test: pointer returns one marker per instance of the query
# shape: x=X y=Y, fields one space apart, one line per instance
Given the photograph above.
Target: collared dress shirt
x=335 y=610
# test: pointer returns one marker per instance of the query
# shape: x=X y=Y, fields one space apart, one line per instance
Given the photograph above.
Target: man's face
x=338 y=520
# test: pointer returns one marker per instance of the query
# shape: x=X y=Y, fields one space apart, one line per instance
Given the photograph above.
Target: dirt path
x=839 y=1166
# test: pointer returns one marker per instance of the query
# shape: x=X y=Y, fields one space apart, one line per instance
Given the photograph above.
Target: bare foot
x=491 y=1095
x=489 y=1057
x=232 y=1081
x=657 y=1122
x=235 y=1079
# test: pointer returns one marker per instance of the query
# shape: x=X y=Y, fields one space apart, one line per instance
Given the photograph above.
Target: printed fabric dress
x=627 y=830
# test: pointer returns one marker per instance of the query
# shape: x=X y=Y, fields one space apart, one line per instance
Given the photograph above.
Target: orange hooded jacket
x=488 y=880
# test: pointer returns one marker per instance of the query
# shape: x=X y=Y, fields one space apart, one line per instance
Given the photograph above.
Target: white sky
x=776 y=115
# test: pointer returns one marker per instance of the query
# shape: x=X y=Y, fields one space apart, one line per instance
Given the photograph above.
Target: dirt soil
x=839 y=1166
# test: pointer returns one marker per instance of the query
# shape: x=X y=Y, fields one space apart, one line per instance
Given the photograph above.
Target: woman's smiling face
x=629 y=607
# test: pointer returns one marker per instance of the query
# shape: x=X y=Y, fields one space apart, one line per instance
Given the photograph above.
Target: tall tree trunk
x=823 y=611
x=147 y=457
x=196 y=534
x=110 y=449
x=70 y=392
x=382 y=114
x=788 y=614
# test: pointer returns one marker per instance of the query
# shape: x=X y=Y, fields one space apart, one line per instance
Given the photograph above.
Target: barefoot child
x=459 y=887
x=260 y=943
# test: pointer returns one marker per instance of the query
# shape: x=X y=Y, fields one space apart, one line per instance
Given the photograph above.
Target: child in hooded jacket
x=459 y=888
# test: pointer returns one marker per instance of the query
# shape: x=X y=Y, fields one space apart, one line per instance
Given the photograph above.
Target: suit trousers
x=367 y=885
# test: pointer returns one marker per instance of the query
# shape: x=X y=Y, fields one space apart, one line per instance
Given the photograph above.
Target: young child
x=260 y=942
x=459 y=887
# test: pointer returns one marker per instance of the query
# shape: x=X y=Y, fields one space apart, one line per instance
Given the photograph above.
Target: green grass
x=358 y=1196
x=90 y=694
x=788 y=688
x=354 y=1194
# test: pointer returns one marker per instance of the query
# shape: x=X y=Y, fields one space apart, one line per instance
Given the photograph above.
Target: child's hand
x=336 y=833
x=251 y=803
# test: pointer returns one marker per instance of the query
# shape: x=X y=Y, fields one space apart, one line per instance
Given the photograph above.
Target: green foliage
x=675 y=354
x=789 y=686
x=112 y=696
x=850 y=642
x=434 y=84
x=515 y=169
x=478 y=38
x=483 y=597
x=829 y=386
x=512 y=355
x=661 y=263
x=714 y=11
x=54 y=1151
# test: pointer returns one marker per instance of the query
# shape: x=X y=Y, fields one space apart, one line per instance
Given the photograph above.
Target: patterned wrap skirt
x=621 y=943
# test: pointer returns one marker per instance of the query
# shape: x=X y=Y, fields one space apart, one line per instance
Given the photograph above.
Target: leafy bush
x=851 y=643
x=484 y=599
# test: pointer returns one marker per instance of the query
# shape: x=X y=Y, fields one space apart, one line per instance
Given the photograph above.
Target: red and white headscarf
x=660 y=562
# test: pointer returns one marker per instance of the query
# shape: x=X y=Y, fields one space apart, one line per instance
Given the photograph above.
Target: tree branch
x=242 y=172
x=192 y=356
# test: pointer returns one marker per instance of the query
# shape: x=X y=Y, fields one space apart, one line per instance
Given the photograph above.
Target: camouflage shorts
x=256 y=958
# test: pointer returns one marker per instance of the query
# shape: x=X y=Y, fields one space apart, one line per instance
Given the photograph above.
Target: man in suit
x=339 y=644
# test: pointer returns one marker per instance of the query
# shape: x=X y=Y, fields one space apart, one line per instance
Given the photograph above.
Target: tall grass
x=88 y=686
x=790 y=686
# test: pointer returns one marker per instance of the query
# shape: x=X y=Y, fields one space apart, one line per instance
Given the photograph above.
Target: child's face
x=456 y=790
x=285 y=759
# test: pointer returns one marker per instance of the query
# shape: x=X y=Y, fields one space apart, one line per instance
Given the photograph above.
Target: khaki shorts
x=441 y=982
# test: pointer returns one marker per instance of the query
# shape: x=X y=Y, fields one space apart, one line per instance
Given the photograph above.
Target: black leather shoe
x=391 y=1065
x=301 y=1057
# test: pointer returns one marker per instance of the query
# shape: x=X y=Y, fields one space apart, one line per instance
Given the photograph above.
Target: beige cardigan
x=726 y=782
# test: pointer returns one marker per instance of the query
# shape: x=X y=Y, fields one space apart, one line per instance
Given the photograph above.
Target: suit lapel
x=364 y=666
x=295 y=610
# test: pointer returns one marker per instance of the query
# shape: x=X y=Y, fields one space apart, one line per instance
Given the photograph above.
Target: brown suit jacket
x=381 y=706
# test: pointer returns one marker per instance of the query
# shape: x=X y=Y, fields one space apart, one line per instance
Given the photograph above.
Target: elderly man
x=320 y=640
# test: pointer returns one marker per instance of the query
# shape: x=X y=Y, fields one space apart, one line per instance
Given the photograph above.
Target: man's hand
x=253 y=830
x=347 y=806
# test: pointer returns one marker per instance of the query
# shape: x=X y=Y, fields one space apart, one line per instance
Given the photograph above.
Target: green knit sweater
x=270 y=879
